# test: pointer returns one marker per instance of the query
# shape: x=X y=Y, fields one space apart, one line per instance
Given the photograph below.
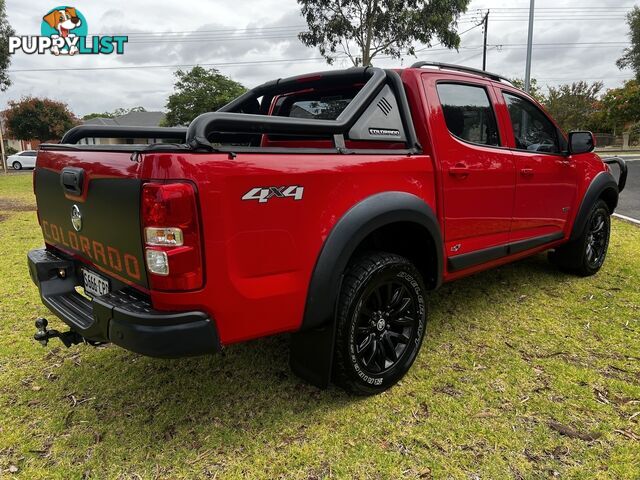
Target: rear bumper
x=123 y=317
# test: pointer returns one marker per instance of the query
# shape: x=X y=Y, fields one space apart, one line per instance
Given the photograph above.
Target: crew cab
x=327 y=205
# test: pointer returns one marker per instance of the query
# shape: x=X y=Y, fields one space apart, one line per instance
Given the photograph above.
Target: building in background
x=131 y=119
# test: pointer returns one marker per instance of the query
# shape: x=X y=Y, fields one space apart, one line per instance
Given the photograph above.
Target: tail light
x=171 y=230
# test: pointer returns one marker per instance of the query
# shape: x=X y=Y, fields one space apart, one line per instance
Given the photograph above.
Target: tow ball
x=44 y=334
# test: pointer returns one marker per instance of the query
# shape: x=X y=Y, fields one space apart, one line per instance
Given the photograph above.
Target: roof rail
x=461 y=68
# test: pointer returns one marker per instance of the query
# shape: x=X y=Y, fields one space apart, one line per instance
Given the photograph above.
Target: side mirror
x=581 y=142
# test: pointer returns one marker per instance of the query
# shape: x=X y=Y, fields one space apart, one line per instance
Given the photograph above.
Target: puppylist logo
x=63 y=31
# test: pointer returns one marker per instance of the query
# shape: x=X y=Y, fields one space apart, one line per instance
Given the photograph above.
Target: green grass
x=506 y=353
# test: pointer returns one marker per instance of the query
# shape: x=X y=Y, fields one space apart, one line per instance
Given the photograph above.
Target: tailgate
x=89 y=207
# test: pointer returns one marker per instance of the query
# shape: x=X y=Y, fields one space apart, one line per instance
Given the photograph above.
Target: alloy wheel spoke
x=396 y=297
x=404 y=303
x=390 y=293
x=381 y=357
x=398 y=337
x=390 y=348
x=403 y=321
x=366 y=343
x=374 y=351
x=599 y=225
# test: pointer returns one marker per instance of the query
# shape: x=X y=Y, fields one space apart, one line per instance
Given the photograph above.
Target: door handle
x=526 y=172
x=459 y=170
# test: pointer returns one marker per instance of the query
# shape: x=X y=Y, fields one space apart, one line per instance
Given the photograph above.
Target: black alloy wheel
x=597 y=239
x=381 y=322
x=386 y=323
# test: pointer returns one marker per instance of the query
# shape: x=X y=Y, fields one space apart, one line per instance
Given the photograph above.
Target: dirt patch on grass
x=12 y=205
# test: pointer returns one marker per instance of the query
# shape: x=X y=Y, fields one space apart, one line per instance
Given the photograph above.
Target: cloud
x=216 y=33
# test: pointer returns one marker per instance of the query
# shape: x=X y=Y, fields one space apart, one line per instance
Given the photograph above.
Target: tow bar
x=43 y=335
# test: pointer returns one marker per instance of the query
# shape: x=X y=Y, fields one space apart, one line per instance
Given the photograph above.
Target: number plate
x=94 y=284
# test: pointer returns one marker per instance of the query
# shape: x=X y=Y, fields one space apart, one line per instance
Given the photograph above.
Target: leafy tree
x=116 y=113
x=631 y=56
x=635 y=132
x=5 y=32
x=199 y=91
x=622 y=105
x=362 y=29
x=8 y=151
x=38 y=118
x=574 y=106
x=599 y=121
x=534 y=90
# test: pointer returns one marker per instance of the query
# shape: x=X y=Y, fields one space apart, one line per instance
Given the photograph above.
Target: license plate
x=94 y=285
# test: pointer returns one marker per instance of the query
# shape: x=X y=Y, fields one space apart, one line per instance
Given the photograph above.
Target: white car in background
x=24 y=159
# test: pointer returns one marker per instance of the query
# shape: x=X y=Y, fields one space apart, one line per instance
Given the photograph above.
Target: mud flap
x=311 y=354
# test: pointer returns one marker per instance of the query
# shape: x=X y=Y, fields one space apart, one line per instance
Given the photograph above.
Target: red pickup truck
x=326 y=205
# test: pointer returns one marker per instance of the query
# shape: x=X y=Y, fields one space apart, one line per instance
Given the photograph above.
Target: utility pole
x=527 y=75
x=484 y=51
x=2 y=156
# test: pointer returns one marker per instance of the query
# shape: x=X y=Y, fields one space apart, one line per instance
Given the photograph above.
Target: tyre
x=585 y=255
x=16 y=165
x=380 y=323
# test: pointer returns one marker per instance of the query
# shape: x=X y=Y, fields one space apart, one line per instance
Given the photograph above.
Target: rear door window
x=468 y=113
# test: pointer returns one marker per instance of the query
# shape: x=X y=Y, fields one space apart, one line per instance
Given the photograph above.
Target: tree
x=5 y=32
x=534 y=90
x=622 y=105
x=631 y=56
x=116 y=113
x=362 y=29
x=574 y=106
x=199 y=91
x=38 y=118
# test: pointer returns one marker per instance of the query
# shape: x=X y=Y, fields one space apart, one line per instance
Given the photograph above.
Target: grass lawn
x=524 y=373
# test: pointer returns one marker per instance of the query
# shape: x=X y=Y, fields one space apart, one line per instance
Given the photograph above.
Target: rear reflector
x=157 y=262
x=171 y=229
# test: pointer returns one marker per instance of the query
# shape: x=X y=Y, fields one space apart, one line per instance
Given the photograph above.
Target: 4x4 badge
x=76 y=218
x=264 y=194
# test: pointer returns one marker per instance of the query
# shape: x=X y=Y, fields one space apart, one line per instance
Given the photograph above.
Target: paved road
x=629 y=203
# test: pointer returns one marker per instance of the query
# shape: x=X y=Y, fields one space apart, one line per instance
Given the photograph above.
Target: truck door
x=478 y=174
x=545 y=178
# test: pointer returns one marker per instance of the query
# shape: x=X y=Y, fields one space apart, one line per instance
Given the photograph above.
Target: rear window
x=327 y=108
x=319 y=105
x=468 y=113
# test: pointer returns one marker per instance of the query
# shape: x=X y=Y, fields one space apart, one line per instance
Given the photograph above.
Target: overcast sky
x=254 y=41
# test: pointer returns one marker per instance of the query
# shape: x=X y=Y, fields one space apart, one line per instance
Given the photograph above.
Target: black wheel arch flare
x=353 y=227
x=602 y=186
